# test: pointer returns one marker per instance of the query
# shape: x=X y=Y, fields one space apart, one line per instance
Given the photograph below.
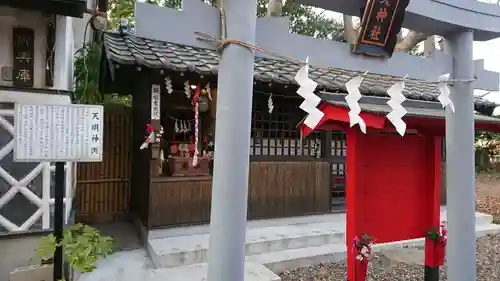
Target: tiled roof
x=133 y=50
x=413 y=107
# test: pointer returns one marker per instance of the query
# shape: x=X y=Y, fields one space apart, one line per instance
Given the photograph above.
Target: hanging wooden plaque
x=23 y=40
x=380 y=24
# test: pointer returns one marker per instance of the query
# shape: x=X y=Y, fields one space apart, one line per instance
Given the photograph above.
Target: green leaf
x=83 y=246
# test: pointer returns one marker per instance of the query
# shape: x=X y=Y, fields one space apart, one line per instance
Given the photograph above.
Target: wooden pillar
x=431 y=270
x=213 y=111
x=443 y=172
x=141 y=110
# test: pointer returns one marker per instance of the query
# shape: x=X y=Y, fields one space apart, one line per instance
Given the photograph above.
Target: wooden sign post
x=381 y=22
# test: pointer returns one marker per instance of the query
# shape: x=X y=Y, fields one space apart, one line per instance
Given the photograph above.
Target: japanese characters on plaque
x=23 y=40
x=380 y=25
x=155 y=102
x=58 y=133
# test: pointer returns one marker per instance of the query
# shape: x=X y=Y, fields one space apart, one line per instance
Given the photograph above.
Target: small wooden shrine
x=394 y=179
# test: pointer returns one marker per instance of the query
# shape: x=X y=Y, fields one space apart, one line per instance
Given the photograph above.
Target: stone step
x=186 y=250
x=296 y=258
x=481 y=218
x=190 y=249
x=198 y=272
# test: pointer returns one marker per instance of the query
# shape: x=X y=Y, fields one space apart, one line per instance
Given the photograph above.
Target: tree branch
x=350 y=32
x=274 y=8
x=411 y=40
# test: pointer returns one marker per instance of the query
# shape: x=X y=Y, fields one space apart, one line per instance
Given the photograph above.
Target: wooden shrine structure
x=159 y=66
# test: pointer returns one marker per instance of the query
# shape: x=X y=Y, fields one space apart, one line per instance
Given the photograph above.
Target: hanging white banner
x=398 y=111
x=444 y=97
x=352 y=100
x=311 y=100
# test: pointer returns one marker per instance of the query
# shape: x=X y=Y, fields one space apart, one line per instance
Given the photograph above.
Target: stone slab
x=191 y=249
x=135 y=266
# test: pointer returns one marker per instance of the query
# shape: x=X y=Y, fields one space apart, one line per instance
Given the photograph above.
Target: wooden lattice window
x=276 y=133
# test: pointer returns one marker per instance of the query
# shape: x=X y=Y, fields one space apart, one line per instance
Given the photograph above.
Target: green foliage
x=416 y=51
x=124 y=9
x=433 y=234
x=306 y=21
x=86 y=72
x=82 y=246
x=303 y=19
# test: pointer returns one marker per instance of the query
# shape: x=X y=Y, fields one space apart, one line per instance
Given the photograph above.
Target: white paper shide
x=270 y=103
x=311 y=100
x=58 y=133
x=352 y=100
x=155 y=102
x=398 y=111
x=444 y=89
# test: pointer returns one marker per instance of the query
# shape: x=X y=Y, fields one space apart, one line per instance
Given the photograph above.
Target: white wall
x=10 y=18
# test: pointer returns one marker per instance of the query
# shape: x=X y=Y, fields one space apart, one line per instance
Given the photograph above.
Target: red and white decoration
x=362 y=251
x=395 y=92
x=152 y=136
x=195 y=100
x=435 y=246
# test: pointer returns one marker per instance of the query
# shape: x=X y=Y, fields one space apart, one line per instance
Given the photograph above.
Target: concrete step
x=186 y=250
x=198 y=272
x=296 y=258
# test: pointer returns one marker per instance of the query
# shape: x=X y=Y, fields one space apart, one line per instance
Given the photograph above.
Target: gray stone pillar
x=460 y=164
x=226 y=256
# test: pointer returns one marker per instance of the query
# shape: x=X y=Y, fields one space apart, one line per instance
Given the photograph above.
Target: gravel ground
x=383 y=268
x=488 y=195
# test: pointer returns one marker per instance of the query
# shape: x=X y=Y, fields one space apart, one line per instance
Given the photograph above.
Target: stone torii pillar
x=228 y=221
x=460 y=168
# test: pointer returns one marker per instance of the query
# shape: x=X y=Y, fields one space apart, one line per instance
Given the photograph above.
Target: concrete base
x=135 y=266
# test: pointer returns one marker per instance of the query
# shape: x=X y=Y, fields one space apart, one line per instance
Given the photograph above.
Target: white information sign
x=155 y=102
x=58 y=133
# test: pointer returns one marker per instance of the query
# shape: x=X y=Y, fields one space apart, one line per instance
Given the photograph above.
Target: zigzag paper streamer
x=168 y=85
x=444 y=97
x=187 y=89
x=352 y=100
x=270 y=103
x=209 y=91
x=398 y=111
x=311 y=101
